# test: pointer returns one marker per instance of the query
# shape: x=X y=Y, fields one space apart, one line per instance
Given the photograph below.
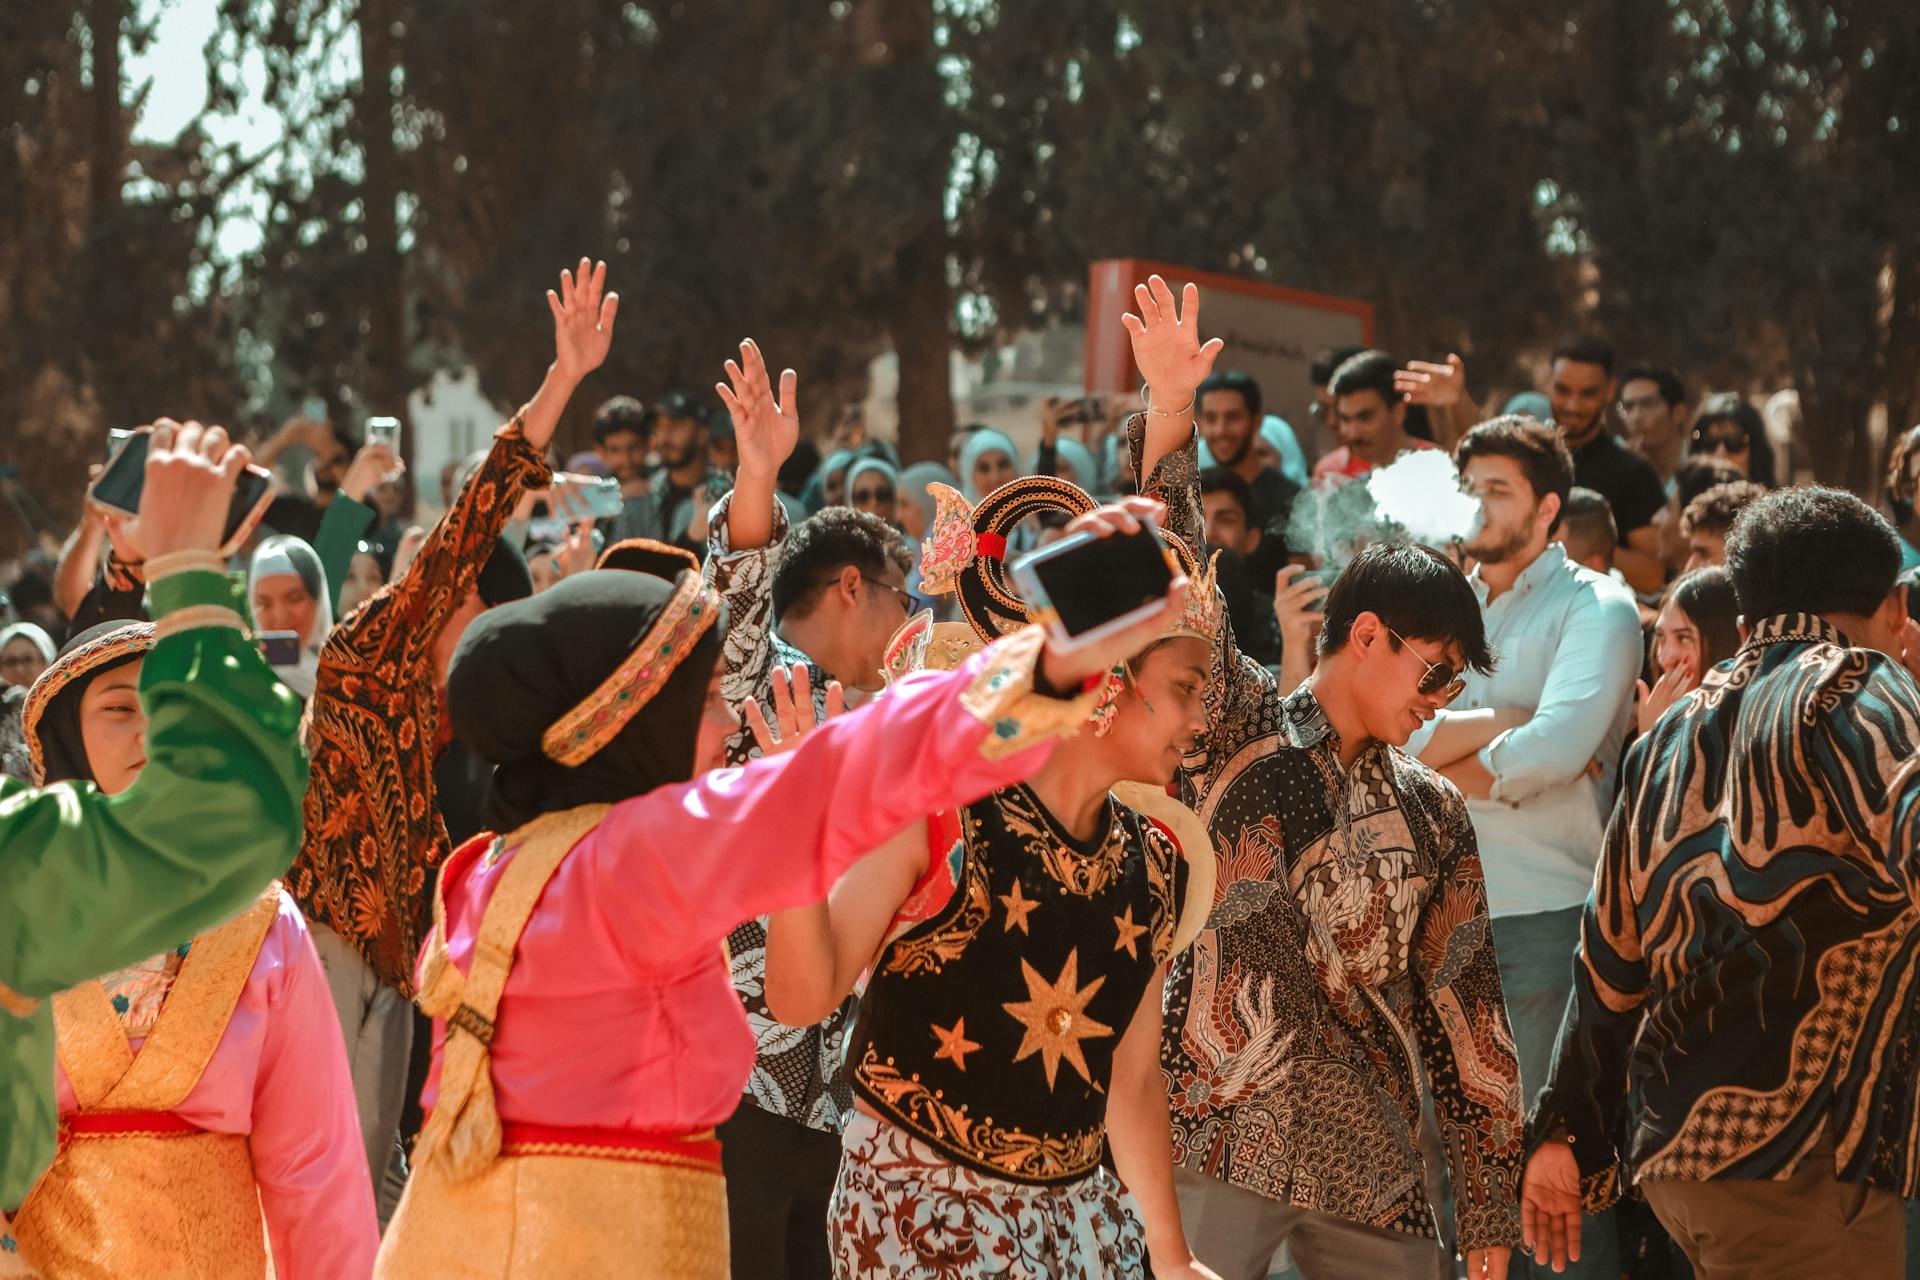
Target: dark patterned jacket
x=374 y=835
x=796 y=1070
x=1748 y=960
x=1347 y=964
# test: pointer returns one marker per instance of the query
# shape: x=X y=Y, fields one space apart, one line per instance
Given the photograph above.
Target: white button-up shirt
x=1569 y=648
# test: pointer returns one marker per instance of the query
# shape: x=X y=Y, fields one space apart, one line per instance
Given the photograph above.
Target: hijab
x=913 y=487
x=863 y=465
x=285 y=555
x=33 y=634
x=51 y=719
x=522 y=666
x=1071 y=453
x=985 y=440
x=815 y=494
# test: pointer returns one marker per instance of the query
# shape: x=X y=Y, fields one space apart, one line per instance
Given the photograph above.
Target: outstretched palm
x=764 y=429
x=582 y=319
x=1166 y=341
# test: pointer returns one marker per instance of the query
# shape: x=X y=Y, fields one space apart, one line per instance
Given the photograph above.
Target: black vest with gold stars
x=988 y=1030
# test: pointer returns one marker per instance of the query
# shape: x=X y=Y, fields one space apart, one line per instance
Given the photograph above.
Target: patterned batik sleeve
x=1466 y=1044
x=1587 y=1087
x=744 y=579
x=413 y=610
x=1240 y=692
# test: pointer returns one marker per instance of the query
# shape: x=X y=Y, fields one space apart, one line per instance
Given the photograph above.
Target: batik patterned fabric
x=1748 y=956
x=1348 y=961
x=988 y=1030
x=903 y=1211
x=796 y=1070
x=374 y=834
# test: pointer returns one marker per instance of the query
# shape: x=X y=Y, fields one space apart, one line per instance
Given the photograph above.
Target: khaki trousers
x=1808 y=1227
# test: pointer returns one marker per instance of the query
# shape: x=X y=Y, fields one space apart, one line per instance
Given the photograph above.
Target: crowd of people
x=751 y=882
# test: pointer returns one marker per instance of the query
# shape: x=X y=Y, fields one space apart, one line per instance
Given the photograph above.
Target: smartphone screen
x=1090 y=583
x=597 y=497
x=384 y=431
x=280 y=648
x=120 y=485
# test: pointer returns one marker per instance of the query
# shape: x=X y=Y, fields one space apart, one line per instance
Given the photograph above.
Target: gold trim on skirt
x=559 y=1217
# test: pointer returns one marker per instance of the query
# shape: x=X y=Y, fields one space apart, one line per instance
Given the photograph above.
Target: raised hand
x=792 y=710
x=1440 y=385
x=1667 y=690
x=374 y=463
x=1166 y=342
x=764 y=429
x=1063 y=669
x=1297 y=597
x=190 y=476
x=583 y=316
x=1550 y=1206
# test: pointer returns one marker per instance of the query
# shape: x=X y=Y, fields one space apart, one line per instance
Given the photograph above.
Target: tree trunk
x=106 y=166
x=386 y=351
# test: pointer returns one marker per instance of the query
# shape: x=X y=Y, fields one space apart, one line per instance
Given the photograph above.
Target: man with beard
x=1228 y=415
x=1520 y=742
x=620 y=428
x=683 y=481
x=1581 y=387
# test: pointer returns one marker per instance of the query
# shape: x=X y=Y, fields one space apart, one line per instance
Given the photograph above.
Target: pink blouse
x=619 y=1011
x=280 y=1077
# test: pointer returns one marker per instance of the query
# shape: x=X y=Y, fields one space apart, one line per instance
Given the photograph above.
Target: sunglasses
x=872 y=495
x=1439 y=677
x=1720 y=442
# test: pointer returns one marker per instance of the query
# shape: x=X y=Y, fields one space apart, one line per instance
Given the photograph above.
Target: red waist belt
x=81 y=1125
x=700 y=1151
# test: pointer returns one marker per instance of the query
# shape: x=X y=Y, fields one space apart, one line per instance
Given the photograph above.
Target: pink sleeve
x=308 y=1155
x=686 y=864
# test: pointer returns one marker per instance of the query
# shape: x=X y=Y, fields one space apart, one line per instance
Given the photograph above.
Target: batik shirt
x=375 y=837
x=1748 y=956
x=796 y=1070
x=1348 y=962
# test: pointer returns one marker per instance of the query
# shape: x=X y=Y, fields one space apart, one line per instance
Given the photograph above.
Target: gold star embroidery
x=1129 y=933
x=954 y=1045
x=1055 y=1018
x=1018 y=908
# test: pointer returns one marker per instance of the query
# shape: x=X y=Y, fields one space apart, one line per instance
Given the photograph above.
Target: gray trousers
x=1237 y=1232
x=377 y=1024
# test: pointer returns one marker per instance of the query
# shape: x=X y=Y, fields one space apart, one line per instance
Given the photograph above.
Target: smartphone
x=117 y=436
x=1089 y=409
x=1085 y=587
x=280 y=648
x=384 y=431
x=595 y=496
x=119 y=487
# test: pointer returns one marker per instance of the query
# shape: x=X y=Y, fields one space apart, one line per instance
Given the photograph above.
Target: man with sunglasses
x=1524 y=740
x=1347 y=970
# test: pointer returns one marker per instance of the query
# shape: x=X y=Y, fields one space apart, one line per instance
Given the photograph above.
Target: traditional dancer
x=204 y=1085
x=1012 y=1022
x=587 y=1038
x=94 y=882
x=1348 y=967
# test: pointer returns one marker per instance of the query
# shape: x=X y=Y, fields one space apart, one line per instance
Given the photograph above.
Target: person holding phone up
x=93 y=882
x=1349 y=967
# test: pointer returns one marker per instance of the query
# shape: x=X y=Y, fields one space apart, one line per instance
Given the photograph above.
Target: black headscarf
x=52 y=716
x=522 y=666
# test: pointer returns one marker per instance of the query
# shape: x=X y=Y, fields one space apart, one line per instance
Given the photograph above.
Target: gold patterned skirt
x=566 y=1204
x=144 y=1194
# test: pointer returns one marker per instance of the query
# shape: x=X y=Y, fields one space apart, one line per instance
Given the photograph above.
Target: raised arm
x=94 y=883
x=1174 y=362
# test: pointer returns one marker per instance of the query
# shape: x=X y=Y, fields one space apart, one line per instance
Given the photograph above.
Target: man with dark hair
x=1347 y=970
x=1709 y=518
x=1743 y=1043
x=1369 y=417
x=1581 y=388
x=1522 y=740
x=1587 y=530
x=620 y=428
x=685 y=479
x=1653 y=405
x=1227 y=407
x=826 y=596
x=1248 y=564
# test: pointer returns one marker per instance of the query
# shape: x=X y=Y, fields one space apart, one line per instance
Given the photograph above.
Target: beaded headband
x=583 y=731
x=135 y=637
